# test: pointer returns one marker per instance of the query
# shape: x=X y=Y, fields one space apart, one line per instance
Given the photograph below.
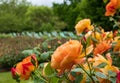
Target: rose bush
x=86 y=60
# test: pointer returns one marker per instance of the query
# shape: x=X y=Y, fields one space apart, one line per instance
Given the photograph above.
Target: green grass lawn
x=5 y=77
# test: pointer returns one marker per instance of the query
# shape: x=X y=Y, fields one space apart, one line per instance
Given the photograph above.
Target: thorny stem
x=88 y=62
x=90 y=75
x=66 y=77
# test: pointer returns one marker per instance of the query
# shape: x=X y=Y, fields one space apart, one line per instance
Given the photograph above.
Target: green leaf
x=105 y=1
x=36 y=50
x=94 y=40
x=27 y=52
x=111 y=73
x=95 y=78
x=48 y=70
x=77 y=70
x=45 y=45
x=54 y=80
x=31 y=51
x=46 y=55
x=79 y=78
x=101 y=75
x=98 y=30
x=36 y=79
x=111 y=19
x=114 y=43
x=73 y=74
x=113 y=80
x=102 y=65
x=88 y=40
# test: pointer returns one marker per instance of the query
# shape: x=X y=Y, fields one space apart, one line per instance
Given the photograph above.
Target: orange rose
x=111 y=7
x=83 y=25
x=65 y=55
x=102 y=47
x=25 y=67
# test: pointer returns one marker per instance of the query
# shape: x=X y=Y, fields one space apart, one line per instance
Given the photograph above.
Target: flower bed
x=11 y=48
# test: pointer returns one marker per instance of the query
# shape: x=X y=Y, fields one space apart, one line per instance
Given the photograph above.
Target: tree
x=71 y=11
x=12 y=14
x=42 y=18
x=67 y=12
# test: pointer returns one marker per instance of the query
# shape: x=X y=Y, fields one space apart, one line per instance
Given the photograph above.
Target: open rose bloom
x=87 y=59
x=24 y=68
x=64 y=57
x=112 y=7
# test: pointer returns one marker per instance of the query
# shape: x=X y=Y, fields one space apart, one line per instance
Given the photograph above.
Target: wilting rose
x=111 y=7
x=118 y=77
x=25 y=67
x=102 y=47
x=83 y=25
x=65 y=55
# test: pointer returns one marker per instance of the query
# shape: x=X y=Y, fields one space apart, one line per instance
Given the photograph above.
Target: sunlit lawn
x=5 y=77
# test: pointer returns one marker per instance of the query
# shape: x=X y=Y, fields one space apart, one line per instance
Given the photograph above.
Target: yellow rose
x=82 y=25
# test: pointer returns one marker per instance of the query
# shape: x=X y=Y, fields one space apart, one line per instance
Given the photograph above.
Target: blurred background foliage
x=20 y=15
x=71 y=11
